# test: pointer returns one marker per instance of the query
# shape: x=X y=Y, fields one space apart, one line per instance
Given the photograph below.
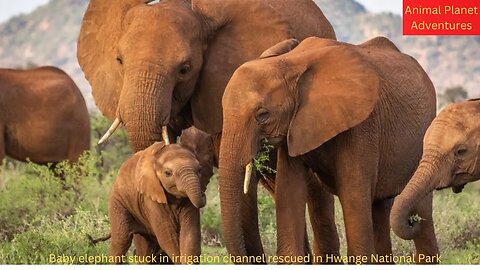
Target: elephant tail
x=93 y=242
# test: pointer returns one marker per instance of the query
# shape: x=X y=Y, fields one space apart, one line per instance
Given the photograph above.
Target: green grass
x=41 y=215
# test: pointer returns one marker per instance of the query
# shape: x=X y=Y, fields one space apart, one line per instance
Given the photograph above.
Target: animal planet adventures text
x=441 y=17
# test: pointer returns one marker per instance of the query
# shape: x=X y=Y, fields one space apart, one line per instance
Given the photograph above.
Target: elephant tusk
x=165 y=137
x=110 y=131
x=248 y=176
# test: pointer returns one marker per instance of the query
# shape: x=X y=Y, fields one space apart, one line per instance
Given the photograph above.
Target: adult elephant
x=450 y=159
x=43 y=116
x=354 y=114
x=151 y=65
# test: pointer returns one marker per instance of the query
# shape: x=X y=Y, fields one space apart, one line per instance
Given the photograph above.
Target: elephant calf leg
x=381 y=226
x=426 y=242
x=120 y=220
x=148 y=248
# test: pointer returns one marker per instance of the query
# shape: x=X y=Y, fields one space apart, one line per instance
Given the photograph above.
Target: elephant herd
x=353 y=121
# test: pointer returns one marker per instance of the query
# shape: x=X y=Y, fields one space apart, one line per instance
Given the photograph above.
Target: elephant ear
x=337 y=89
x=201 y=144
x=97 y=50
x=242 y=30
x=147 y=181
x=280 y=48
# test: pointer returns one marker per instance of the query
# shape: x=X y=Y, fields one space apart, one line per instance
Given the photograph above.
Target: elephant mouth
x=458 y=189
x=461 y=179
x=203 y=201
x=276 y=140
x=442 y=188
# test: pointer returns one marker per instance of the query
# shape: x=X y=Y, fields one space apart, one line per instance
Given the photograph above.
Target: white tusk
x=165 y=135
x=110 y=131
x=248 y=176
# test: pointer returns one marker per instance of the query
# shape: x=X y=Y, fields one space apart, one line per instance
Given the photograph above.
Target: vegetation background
x=41 y=215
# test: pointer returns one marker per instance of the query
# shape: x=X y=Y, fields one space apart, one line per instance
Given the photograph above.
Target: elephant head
x=147 y=63
x=299 y=99
x=451 y=152
x=172 y=169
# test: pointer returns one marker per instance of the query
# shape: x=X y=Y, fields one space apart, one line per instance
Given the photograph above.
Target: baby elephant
x=451 y=158
x=156 y=197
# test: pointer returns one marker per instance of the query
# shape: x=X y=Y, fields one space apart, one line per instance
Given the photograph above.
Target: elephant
x=157 y=64
x=43 y=116
x=450 y=159
x=156 y=198
x=354 y=114
x=187 y=53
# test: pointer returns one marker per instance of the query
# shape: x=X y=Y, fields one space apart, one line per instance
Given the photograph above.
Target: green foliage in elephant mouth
x=260 y=161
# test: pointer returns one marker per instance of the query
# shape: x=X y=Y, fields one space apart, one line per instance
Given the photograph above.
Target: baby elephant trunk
x=192 y=188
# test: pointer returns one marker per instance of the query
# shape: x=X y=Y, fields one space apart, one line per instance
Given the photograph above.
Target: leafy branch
x=262 y=158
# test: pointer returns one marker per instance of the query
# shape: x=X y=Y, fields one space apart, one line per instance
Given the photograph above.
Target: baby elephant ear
x=280 y=48
x=146 y=178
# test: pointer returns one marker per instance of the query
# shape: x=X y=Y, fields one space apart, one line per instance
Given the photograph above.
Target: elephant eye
x=462 y=150
x=119 y=60
x=168 y=173
x=262 y=115
x=185 y=68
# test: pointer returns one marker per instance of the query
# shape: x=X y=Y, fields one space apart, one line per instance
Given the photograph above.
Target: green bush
x=36 y=192
x=48 y=238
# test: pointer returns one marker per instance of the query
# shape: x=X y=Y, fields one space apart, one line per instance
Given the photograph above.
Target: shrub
x=47 y=238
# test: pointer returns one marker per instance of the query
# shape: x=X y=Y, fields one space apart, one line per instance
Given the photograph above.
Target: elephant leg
x=381 y=226
x=165 y=224
x=146 y=246
x=190 y=238
x=120 y=226
x=308 y=250
x=291 y=198
x=357 y=215
x=321 y=208
x=356 y=171
x=269 y=185
x=426 y=242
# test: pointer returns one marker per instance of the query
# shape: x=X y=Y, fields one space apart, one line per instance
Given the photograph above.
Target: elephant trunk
x=144 y=108
x=425 y=179
x=231 y=172
x=192 y=187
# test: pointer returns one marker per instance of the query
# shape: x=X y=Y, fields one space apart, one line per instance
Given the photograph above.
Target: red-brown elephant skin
x=43 y=116
x=354 y=114
x=156 y=198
